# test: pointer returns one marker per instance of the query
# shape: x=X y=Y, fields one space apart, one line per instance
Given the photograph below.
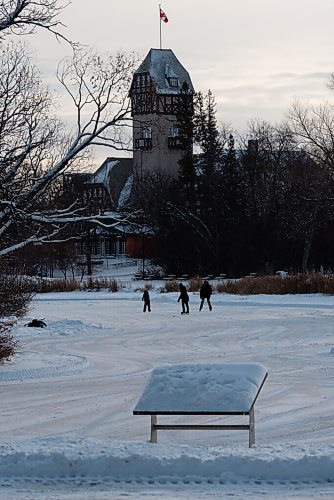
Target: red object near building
x=139 y=247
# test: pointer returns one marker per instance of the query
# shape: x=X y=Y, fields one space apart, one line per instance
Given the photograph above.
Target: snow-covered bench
x=203 y=389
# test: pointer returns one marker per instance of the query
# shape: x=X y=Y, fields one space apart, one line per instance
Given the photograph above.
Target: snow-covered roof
x=102 y=173
x=125 y=193
x=203 y=388
x=115 y=175
x=162 y=64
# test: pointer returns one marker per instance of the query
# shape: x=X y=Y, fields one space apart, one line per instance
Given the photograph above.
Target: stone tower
x=158 y=86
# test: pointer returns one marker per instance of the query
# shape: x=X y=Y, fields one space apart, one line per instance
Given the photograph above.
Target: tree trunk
x=307 y=248
x=89 y=254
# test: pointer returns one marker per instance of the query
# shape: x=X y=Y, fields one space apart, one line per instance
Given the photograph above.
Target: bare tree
x=22 y=17
x=35 y=151
x=313 y=128
x=266 y=149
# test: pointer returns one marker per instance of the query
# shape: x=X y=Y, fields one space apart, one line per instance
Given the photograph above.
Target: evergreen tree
x=206 y=133
x=232 y=183
x=186 y=134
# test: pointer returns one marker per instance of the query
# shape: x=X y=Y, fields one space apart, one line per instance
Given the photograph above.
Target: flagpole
x=160 y=24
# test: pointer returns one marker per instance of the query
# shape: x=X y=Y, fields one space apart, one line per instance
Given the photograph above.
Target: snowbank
x=57 y=458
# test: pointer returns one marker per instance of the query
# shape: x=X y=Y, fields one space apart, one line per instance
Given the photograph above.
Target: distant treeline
x=261 y=205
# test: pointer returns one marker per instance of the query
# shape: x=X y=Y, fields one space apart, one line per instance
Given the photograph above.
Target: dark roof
x=115 y=174
x=162 y=64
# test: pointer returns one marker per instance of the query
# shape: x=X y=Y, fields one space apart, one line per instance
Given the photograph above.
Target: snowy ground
x=67 y=428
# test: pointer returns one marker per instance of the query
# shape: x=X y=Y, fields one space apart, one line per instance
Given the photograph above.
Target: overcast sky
x=256 y=56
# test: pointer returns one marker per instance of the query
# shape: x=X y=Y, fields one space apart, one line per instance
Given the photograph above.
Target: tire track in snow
x=56 y=365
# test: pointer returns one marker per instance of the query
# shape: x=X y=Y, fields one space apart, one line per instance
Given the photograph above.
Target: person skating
x=147 y=301
x=205 y=293
x=184 y=297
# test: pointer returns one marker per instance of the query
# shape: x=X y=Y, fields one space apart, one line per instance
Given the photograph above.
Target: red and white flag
x=163 y=16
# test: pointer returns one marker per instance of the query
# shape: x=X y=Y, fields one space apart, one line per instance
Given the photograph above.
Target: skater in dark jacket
x=184 y=297
x=205 y=293
x=147 y=301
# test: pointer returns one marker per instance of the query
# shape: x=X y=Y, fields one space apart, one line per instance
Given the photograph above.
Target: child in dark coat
x=184 y=297
x=147 y=302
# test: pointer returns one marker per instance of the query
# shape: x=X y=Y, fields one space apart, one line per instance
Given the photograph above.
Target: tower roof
x=162 y=66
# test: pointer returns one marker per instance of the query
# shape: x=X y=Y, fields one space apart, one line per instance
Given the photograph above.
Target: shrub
x=171 y=286
x=70 y=285
x=88 y=284
x=7 y=344
x=16 y=293
x=195 y=284
x=297 y=284
x=98 y=284
x=56 y=285
x=114 y=286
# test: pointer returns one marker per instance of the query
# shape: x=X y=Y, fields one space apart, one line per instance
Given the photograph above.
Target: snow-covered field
x=66 y=423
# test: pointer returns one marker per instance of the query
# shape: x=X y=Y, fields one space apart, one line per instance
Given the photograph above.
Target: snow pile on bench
x=202 y=388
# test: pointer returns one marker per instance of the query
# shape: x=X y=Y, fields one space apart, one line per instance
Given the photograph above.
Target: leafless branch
x=34 y=150
x=24 y=17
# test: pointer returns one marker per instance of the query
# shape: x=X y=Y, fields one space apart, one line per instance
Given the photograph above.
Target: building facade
x=159 y=89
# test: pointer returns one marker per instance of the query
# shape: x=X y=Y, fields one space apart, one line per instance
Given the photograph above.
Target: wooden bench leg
x=251 y=427
x=154 y=432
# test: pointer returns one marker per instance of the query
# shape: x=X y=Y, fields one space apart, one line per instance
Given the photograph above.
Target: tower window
x=173 y=81
x=141 y=80
x=174 y=131
x=145 y=138
x=174 y=137
x=145 y=132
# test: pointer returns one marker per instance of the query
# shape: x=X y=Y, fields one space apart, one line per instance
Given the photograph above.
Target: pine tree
x=206 y=133
x=185 y=125
x=232 y=185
